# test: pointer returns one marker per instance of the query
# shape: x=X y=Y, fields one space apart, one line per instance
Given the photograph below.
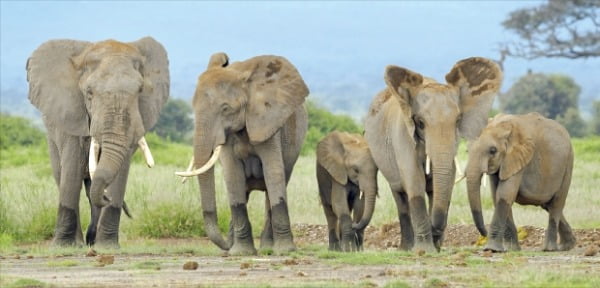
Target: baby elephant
x=344 y=169
x=529 y=160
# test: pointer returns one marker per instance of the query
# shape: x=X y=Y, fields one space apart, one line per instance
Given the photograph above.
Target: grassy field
x=163 y=207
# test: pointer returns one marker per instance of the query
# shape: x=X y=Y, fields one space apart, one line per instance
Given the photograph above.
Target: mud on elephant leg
x=266 y=237
x=511 y=237
x=108 y=227
x=567 y=239
x=334 y=241
x=497 y=227
x=550 y=239
x=243 y=243
x=406 y=230
x=421 y=225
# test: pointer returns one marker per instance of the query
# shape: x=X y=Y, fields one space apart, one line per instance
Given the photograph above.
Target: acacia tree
x=556 y=29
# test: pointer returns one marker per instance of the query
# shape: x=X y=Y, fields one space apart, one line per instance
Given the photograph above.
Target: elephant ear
x=404 y=85
x=478 y=81
x=330 y=155
x=54 y=85
x=519 y=151
x=276 y=90
x=155 y=71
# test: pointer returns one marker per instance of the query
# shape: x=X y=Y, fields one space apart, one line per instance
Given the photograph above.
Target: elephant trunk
x=202 y=152
x=474 y=175
x=443 y=172
x=114 y=150
x=370 y=193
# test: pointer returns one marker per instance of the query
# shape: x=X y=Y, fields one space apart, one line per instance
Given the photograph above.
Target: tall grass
x=163 y=207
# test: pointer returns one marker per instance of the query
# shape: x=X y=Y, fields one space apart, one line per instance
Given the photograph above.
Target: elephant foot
x=107 y=244
x=348 y=245
x=550 y=247
x=424 y=247
x=512 y=246
x=107 y=233
x=494 y=245
x=66 y=232
x=567 y=242
x=284 y=247
x=240 y=248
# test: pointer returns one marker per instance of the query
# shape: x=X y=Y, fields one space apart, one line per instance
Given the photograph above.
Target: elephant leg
x=107 y=233
x=357 y=209
x=68 y=166
x=554 y=217
x=406 y=230
x=339 y=201
x=270 y=154
x=266 y=237
x=511 y=237
x=567 y=239
x=90 y=236
x=334 y=241
x=506 y=193
x=235 y=181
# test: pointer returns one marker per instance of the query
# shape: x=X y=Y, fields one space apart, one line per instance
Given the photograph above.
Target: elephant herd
x=99 y=99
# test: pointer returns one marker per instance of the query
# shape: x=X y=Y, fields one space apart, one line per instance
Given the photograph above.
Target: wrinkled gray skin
x=344 y=169
x=253 y=108
x=529 y=160
x=111 y=91
x=414 y=117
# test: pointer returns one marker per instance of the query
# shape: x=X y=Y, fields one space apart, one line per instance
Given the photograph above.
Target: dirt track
x=456 y=266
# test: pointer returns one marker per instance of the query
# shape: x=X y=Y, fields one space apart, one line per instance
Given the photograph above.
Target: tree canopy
x=321 y=122
x=554 y=96
x=18 y=131
x=556 y=29
x=176 y=121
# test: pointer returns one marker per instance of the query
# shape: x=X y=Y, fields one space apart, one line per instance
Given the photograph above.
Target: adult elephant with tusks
x=250 y=116
x=414 y=124
x=97 y=101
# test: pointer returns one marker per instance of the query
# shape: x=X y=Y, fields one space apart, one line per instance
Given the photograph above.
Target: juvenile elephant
x=529 y=160
x=415 y=118
x=97 y=101
x=344 y=169
x=250 y=115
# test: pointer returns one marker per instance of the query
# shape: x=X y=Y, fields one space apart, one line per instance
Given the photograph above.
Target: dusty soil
x=459 y=265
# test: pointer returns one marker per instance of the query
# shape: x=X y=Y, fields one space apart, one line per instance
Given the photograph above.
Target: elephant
x=250 y=116
x=344 y=169
x=529 y=160
x=97 y=101
x=415 y=119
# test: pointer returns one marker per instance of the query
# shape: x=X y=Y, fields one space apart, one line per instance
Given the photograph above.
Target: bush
x=18 y=132
x=321 y=122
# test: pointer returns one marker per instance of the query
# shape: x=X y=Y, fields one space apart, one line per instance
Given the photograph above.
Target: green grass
x=63 y=263
x=163 y=207
x=24 y=283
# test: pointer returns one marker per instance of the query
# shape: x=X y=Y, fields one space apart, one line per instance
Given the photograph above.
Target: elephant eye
x=493 y=150
x=226 y=108
x=420 y=123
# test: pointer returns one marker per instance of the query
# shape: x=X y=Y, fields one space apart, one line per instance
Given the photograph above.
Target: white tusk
x=485 y=180
x=427 y=165
x=211 y=162
x=460 y=179
x=190 y=167
x=460 y=173
x=93 y=157
x=146 y=150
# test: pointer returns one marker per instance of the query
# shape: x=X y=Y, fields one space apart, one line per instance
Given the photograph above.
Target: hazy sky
x=331 y=43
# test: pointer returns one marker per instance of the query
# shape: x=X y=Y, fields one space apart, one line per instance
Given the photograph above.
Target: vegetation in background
x=18 y=132
x=595 y=122
x=556 y=29
x=176 y=121
x=554 y=96
x=321 y=122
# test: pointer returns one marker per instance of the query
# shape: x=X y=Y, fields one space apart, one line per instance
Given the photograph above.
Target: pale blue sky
x=339 y=47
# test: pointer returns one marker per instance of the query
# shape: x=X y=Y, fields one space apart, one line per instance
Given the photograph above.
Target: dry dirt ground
x=459 y=265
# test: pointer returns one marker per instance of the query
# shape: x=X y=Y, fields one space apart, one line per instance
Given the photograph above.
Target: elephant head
x=109 y=90
x=502 y=149
x=347 y=158
x=439 y=114
x=256 y=96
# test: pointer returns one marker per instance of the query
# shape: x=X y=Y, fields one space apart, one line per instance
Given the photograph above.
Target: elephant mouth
x=94 y=155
